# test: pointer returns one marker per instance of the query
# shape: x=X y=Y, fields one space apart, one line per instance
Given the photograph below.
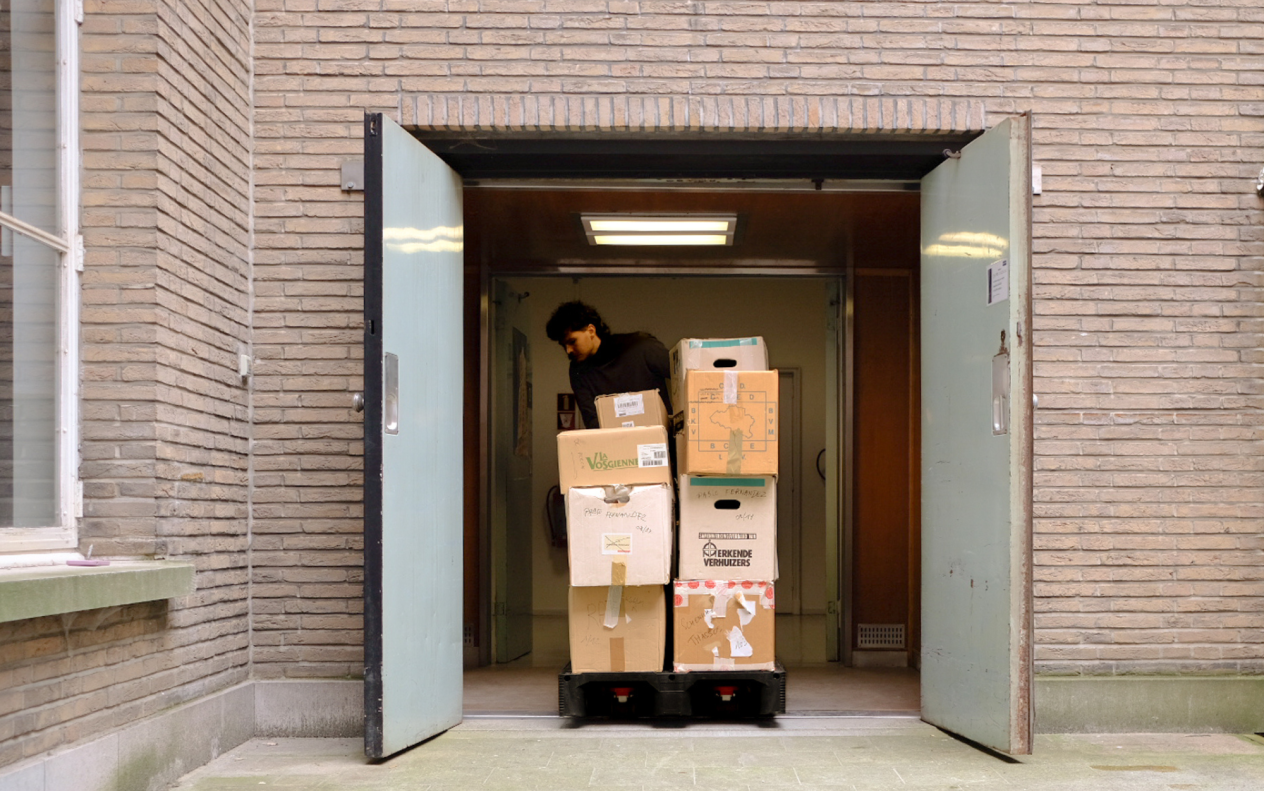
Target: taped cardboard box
x=730 y=423
x=713 y=354
x=723 y=625
x=618 y=629
x=609 y=456
x=625 y=410
x=728 y=528
x=619 y=535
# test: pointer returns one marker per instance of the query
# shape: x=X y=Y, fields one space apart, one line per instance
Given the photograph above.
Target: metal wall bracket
x=353 y=176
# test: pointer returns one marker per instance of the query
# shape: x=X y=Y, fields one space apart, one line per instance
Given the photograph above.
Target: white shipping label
x=628 y=405
x=652 y=455
x=738 y=647
x=998 y=281
x=745 y=610
x=616 y=543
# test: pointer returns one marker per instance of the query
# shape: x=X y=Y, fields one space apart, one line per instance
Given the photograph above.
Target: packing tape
x=618 y=493
x=720 y=600
x=734 y=462
x=617 y=661
x=618 y=572
x=614 y=603
x=730 y=387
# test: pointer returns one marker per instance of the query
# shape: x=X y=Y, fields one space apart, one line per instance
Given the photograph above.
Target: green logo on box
x=600 y=461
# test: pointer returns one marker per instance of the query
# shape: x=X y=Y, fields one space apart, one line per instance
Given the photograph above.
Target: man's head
x=578 y=328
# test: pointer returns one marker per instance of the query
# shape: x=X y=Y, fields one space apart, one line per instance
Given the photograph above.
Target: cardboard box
x=723 y=625
x=728 y=528
x=619 y=535
x=713 y=354
x=730 y=425
x=608 y=456
x=636 y=640
x=625 y=410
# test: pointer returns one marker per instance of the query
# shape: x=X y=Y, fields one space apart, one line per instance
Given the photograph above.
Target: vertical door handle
x=390 y=393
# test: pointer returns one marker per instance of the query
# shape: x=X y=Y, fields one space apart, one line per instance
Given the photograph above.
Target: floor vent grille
x=881 y=635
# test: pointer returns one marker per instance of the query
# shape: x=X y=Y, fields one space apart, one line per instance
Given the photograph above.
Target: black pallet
x=708 y=693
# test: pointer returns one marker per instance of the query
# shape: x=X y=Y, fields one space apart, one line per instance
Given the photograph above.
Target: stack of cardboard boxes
x=618 y=485
x=618 y=482
x=727 y=451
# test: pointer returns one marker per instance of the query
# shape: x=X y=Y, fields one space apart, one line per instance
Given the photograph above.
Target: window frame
x=68 y=15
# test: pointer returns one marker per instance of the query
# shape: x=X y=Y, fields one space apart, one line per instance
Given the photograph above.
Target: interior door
x=413 y=498
x=976 y=441
x=511 y=507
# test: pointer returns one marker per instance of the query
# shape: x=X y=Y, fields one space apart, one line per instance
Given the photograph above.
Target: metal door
x=413 y=497
x=976 y=441
x=511 y=507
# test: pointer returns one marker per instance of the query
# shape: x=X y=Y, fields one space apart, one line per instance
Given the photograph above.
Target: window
x=39 y=285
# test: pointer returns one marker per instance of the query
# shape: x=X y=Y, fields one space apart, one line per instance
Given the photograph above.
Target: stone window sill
x=52 y=590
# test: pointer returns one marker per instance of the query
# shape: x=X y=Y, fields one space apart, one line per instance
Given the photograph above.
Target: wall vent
x=881 y=635
x=469 y=634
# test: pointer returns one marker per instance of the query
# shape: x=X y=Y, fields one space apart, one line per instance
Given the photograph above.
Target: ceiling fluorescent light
x=661 y=239
x=659 y=229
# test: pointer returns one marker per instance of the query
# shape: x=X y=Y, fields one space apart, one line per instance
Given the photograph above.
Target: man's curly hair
x=572 y=316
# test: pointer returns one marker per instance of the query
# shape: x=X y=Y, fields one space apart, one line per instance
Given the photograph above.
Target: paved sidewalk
x=865 y=754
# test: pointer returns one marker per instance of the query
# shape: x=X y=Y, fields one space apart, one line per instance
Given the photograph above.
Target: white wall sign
x=998 y=281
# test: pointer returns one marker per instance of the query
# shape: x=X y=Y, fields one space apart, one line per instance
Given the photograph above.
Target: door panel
x=413 y=489
x=976 y=484
x=511 y=507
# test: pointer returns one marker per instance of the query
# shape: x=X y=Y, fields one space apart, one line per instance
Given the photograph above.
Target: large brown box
x=635 y=641
x=625 y=410
x=730 y=423
x=723 y=625
x=619 y=535
x=610 y=456
x=713 y=354
x=728 y=527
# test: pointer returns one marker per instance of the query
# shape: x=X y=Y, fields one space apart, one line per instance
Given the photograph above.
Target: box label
x=652 y=455
x=629 y=405
x=616 y=543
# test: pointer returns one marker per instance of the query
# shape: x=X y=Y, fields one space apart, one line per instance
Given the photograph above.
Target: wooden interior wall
x=886 y=510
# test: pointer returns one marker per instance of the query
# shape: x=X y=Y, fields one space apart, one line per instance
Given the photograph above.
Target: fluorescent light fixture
x=662 y=239
x=659 y=229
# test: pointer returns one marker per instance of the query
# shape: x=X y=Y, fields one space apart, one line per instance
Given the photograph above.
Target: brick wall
x=1149 y=126
x=165 y=113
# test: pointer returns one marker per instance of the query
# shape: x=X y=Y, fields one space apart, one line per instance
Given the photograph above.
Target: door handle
x=390 y=406
x=357 y=402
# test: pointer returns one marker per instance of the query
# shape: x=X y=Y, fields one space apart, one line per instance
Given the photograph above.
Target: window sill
x=52 y=590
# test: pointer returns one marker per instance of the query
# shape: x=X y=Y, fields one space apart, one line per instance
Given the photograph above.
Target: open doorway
x=972 y=255
x=792 y=278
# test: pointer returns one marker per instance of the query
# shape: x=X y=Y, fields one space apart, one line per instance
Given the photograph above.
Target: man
x=603 y=363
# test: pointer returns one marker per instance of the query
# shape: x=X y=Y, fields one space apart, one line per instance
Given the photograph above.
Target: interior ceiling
x=539 y=230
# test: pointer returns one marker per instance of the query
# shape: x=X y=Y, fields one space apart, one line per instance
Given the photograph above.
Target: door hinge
x=79 y=11
x=77 y=252
x=78 y=499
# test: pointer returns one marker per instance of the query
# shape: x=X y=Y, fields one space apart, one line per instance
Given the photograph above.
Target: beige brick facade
x=165 y=117
x=213 y=230
x=1149 y=129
